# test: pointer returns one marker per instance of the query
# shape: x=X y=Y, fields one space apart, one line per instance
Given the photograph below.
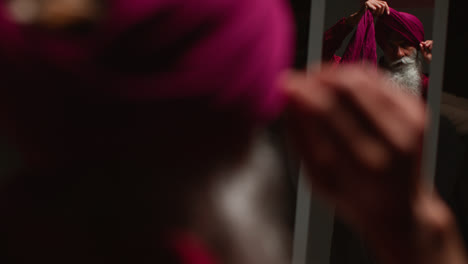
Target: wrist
x=427 y=234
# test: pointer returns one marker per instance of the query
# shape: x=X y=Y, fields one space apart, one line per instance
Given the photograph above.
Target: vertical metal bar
x=313 y=227
x=314 y=221
x=317 y=23
x=301 y=228
x=436 y=80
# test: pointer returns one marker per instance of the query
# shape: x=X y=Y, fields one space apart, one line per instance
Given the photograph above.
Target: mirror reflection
x=397 y=40
x=395 y=37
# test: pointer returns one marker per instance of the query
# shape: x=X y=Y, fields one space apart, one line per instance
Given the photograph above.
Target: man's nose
x=400 y=52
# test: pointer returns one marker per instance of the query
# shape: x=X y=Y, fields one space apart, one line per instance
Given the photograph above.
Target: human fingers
x=313 y=102
x=429 y=44
x=307 y=103
x=352 y=134
x=378 y=8
x=423 y=48
x=345 y=161
x=399 y=119
x=426 y=51
x=387 y=8
x=326 y=136
x=371 y=6
x=398 y=171
x=303 y=93
x=381 y=8
x=339 y=146
x=372 y=149
x=423 y=44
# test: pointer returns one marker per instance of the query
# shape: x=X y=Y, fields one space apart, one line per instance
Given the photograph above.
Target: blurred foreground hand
x=360 y=140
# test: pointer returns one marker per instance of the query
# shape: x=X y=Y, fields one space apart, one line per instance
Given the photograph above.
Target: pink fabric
x=333 y=39
x=190 y=250
x=362 y=46
x=230 y=51
x=226 y=55
x=407 y=25
x=151 y=70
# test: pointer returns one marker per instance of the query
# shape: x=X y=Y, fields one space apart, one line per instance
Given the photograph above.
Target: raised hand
x=426 y=50
x=360 y=140
x=377 y=7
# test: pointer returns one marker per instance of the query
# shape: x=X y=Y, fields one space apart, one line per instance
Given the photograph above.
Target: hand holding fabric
x=426 y=50
x=377 y=7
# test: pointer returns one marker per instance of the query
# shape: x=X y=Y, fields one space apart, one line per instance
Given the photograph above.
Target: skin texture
x=363 y=152
x=377 y=7
x=381 y=133
x=426 y=50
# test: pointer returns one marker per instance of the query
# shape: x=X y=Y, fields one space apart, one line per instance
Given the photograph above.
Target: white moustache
x=404 y=61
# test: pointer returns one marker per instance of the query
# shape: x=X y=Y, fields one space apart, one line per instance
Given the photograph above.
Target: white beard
x=405 y=74
x=245 y=209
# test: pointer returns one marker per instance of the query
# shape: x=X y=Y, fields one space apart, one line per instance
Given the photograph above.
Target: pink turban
x=122 y=122
x=192 y=58
x=362 y=46
x=228 y=51
x=407 y=25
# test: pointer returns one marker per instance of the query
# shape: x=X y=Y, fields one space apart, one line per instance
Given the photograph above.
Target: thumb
x=423 y=48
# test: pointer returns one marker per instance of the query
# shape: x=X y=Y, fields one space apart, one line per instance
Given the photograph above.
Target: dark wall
x=456 y=55
x=301 y=10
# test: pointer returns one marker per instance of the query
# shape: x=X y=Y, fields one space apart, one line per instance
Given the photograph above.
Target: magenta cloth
x=230 y=51
x=333 y=39
x=191 y=250
x=407 y=25
x=224 y=54
x=156 y=88
x=362 y=46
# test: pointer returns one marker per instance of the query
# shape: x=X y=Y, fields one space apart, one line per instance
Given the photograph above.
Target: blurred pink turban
x=62 y=87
